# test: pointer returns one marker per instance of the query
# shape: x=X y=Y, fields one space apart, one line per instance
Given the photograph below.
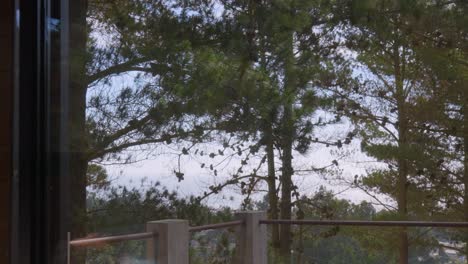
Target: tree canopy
x=249 y=88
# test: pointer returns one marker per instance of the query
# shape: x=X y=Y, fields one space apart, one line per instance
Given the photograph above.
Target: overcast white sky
x=160 y=167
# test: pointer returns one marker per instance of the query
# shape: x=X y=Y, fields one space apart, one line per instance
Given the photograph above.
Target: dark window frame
x=39 y=204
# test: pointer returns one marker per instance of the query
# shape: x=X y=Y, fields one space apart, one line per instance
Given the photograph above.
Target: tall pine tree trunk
x=402 y=210
x=287 y=137
x=402 y=182
x=272 y=195
x=286 y=183
x=273 y=212
x=77 y=117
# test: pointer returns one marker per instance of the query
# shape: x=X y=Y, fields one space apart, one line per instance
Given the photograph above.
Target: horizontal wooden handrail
x=85 y=242
x=216 y=226
x=366 y=223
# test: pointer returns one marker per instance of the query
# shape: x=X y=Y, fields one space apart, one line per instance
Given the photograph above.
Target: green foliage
x=97 y=177
x=357 y=244
x=254 y=74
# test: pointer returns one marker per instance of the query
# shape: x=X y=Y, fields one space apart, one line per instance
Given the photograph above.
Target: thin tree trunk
x=402 y=161
x=402 y=198
x=287 y=138
x=286 y=190
x=272 y=195
x=402 y=209
x=273 y=212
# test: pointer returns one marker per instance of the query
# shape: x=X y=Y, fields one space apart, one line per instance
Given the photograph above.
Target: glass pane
x=325 y=110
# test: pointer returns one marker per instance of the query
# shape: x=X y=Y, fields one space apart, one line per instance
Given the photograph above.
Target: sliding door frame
x=40 y=187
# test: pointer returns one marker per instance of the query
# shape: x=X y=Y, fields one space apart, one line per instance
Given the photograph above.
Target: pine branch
x=116 y=69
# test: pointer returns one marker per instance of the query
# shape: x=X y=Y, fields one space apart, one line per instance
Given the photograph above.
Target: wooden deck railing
x=168 y=240
x=366 y=223
x=88 y=242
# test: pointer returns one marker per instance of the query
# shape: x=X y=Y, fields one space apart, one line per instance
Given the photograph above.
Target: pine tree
x=441 y=44
x=382 y=101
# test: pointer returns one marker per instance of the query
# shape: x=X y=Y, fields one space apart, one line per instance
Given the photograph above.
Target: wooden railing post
x=251 y=245
x=171 y=243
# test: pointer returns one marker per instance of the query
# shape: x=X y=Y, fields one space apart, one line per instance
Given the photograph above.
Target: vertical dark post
x=6 y=103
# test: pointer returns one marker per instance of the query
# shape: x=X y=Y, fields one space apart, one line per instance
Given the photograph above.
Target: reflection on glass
x=305 y=109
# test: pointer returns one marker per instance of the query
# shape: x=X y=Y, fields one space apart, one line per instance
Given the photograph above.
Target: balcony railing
x=168 y=240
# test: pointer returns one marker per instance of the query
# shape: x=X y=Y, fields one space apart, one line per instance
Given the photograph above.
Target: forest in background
x=249 y=83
